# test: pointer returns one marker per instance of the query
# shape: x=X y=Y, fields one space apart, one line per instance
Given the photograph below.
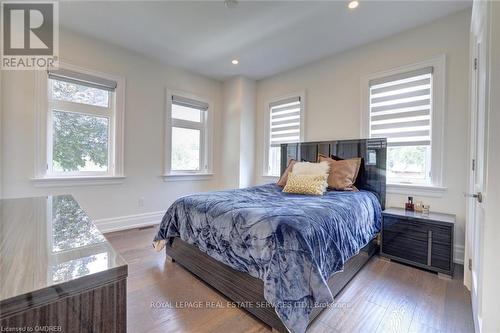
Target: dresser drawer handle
x=429 y=248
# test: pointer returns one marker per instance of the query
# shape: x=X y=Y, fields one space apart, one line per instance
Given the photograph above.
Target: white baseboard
x=458 y=254
x=128 y=222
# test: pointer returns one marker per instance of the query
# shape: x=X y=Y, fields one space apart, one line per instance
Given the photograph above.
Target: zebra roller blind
x=82 y=79
x=401 y=108
x=284 y=127
x=190 y=103
x=285 y=121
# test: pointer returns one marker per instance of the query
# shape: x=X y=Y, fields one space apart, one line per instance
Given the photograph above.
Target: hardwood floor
x=382 y=297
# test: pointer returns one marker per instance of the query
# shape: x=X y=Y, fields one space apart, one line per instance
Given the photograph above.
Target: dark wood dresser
x=57 y=271
x=424 y=241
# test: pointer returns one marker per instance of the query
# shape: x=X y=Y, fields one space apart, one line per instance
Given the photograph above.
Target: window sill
x=172 y=177
x=77 y=181
x=416 y=189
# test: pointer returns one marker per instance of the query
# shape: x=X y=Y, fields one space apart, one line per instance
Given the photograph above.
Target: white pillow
x=308 y=168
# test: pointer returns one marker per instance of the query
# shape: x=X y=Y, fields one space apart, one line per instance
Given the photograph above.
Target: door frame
x=479 y=49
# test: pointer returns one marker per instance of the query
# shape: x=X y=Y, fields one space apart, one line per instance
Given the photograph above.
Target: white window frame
x=206 y=139
x=267 y=126
x=44 y=176
x=435 y=188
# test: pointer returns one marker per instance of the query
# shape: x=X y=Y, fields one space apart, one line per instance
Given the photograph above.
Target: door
x=477 y=155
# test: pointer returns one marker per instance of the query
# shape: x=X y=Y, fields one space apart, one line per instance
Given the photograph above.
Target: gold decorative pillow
x=306 y=184
x=343 y=173
x=284 y=176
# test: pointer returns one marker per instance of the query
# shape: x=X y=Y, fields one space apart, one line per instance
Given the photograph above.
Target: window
x=188 y=135
x=80 y=124
x=402 y=107
x=81 y=112
x=284 y=126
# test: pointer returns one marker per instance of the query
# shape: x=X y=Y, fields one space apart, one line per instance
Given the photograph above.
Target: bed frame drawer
x=422 y=241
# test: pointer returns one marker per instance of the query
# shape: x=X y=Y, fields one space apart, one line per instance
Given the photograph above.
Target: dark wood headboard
x=372 y=151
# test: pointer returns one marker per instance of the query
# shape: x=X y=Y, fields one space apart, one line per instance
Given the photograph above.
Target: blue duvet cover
x=292 y=242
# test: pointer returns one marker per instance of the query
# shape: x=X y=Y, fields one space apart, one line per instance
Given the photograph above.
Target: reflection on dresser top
x=50 y=242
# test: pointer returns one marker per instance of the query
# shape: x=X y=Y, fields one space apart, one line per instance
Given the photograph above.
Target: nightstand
x=424 y=241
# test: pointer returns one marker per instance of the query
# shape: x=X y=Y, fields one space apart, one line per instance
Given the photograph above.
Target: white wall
x=146 y=83
x=333 y=98
x=238 y=128
x=247 y=141
x=231 y=134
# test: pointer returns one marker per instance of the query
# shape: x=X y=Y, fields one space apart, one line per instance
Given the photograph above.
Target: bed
x=282 y=257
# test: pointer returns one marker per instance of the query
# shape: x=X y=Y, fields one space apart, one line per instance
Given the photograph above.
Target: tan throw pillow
x=284 y=176
x=343 y=173
x=306 y=184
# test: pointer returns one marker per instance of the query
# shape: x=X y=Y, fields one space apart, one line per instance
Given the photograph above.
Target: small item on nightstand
x=418 y=206
x=426 y=209
x=409 y=205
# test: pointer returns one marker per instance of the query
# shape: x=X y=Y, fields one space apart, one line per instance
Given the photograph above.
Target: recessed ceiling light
x=353 y=4
x=235 y=62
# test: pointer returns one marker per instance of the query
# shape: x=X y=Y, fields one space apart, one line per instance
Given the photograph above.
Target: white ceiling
x=266 y=36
